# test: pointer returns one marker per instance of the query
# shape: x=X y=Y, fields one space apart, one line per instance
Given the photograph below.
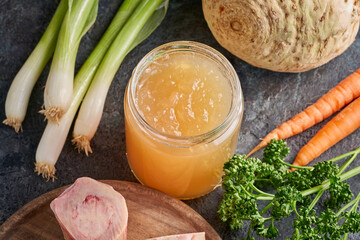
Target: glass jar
x=184 y=167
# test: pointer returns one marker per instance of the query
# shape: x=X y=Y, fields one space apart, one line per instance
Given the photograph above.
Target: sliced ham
x=91 y=210
x=187 y=236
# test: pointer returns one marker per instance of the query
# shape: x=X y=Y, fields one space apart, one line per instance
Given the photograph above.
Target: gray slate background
x=270 y=98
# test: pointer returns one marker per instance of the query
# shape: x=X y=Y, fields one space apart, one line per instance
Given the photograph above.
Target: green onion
x=59 y=86
x=140 y=25
x=54 y=136
x=20 y=90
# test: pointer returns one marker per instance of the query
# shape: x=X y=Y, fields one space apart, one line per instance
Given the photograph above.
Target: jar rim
x=236 y=107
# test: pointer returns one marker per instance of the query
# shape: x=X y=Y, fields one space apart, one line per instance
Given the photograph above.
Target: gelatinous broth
x=180 y=94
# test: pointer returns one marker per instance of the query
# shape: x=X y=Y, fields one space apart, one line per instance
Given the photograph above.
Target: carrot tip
x=255 y=149
x=251 y=152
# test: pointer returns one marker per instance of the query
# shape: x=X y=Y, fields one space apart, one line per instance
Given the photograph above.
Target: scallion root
x=53 y=114
x=13 y=122
x=46 y=170
x=82 y=143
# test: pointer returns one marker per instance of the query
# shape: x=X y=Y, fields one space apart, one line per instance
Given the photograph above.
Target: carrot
x=339 y=96
x=344 y=123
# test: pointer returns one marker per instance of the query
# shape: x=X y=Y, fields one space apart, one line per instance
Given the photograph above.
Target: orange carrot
x=339 y=96
x=347 y=121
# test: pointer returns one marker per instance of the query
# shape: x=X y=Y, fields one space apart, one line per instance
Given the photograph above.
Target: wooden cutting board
x=151 y=214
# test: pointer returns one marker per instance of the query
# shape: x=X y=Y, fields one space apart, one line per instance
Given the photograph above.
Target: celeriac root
x=82 y=143
x=53 y=114
x=46 y=170
x=284 y=35
x=13 y=122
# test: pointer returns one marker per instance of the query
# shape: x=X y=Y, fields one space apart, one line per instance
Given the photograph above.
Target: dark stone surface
x=270 y=98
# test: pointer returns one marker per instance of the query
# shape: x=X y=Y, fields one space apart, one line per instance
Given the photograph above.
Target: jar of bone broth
x=183 y=109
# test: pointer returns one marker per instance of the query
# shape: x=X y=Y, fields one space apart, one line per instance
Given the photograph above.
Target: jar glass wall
x=187 y=166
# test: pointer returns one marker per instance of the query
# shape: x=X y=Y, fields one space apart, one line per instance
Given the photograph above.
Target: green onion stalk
x=80 y=16
x=20 y=90
x=54 y=136
x=140 y=25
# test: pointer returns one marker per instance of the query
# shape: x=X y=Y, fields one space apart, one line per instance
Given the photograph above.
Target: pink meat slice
x=187 y=236
x=91 y=210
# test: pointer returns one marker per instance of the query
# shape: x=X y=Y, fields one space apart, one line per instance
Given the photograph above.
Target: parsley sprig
x=244 y=177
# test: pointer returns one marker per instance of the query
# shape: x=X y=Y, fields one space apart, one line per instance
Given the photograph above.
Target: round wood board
x=151 y=214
